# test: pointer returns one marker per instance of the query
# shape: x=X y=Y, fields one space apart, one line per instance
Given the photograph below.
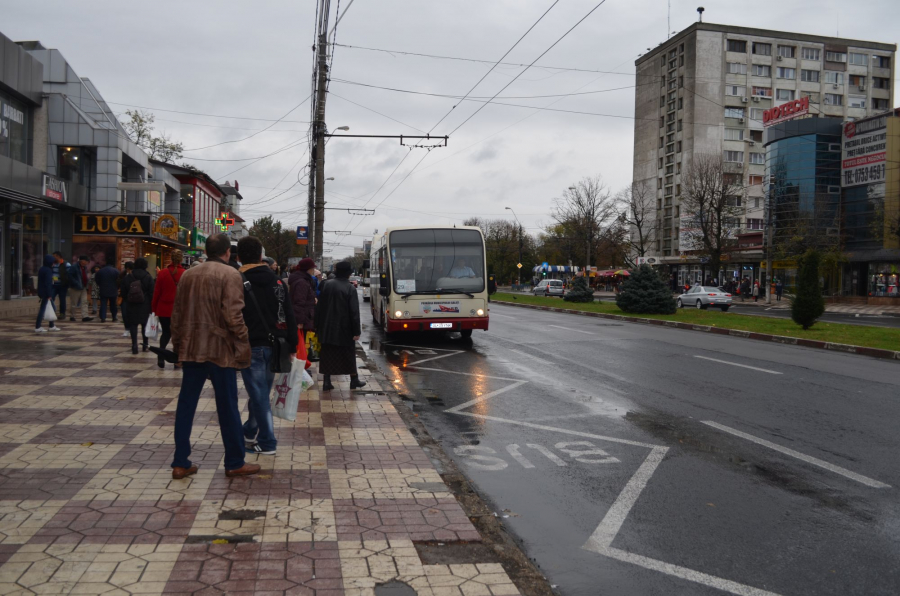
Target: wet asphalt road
x=591 y=436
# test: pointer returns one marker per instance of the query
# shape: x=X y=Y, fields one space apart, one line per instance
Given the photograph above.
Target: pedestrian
x=318 y=278
x=93 y=293
x=45 y=292
x=338 y=327
x=164 y=299
x=107 y=281
x=137 y=293
x=78 y=278
x=127 y=268
x=745 y=289
x=211 y=340
x=756 y=291
x=779 y=289
x=303 y=297
x=200 y=260
x=60 y=271
x=233 y=260
x=268 y=315
x=273 y=265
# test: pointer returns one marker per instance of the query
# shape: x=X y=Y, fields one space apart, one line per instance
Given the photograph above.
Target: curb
x=782 y=339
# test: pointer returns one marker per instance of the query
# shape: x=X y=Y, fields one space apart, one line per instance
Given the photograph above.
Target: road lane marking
x=549 y=454
x=491 y=313
x=765 y=370
x=575 y=330
x=807 y=458
x=513 y=450
x=485 y=397
x=455 y=372
x=417 y=362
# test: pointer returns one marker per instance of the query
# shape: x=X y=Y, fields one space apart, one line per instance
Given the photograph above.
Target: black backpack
x=135 y=292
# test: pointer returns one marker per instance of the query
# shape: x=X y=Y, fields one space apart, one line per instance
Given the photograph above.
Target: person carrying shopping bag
x=164 y=300
x=303 y=302
x=45 y=293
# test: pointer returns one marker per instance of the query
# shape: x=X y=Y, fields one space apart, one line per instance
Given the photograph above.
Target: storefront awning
x=556 y=269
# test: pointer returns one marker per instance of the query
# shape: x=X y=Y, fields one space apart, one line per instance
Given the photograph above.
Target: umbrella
x=621 y=272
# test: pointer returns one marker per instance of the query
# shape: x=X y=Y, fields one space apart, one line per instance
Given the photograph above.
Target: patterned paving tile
x=110 y=417
x=365 y=437
x=294 y=519
x=130 y=484
x=403 y=483
x=21 y=433
x=43 y=456
x=20 y=520
x=51 y=402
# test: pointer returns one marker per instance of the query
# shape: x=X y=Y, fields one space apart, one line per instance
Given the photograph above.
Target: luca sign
x=117 y=225
x=786 y=111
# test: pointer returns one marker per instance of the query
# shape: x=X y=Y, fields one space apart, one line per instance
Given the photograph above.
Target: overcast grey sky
x=253 y=59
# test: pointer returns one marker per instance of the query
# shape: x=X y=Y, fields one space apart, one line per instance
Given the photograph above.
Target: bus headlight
x=480 y=312
x=406 y=313
x=398 y=315
x=472 y=312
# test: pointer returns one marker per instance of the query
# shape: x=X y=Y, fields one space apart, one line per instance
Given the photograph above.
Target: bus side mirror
x=365 y=264
x=384 y=286
x=492 y=284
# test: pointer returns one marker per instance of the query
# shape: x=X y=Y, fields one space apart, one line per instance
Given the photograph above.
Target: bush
x=808 y=305
x=580 y=292
x=646 y=293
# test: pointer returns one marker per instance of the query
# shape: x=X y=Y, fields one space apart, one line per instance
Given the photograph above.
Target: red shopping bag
x=301 y=349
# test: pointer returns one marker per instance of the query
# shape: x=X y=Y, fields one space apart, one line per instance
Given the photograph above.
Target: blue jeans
x=112 y=307
x=258 y=383
x=224 y=381
x=61 y=291
x=45 y=303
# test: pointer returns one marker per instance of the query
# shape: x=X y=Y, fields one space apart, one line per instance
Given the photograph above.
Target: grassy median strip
x=857 y=335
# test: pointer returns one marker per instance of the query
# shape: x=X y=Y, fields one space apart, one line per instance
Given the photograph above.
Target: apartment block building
x=705 y=91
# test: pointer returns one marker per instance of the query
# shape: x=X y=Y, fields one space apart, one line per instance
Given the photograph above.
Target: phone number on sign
x=861 y=175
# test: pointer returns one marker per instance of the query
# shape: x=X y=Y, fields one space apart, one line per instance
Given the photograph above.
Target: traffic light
x=544 y=274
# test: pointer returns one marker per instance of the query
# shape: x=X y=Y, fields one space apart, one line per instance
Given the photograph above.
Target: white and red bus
x=430 y=279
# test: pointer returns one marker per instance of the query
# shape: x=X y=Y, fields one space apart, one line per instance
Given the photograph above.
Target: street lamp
x=518 y=269
x=343 y=128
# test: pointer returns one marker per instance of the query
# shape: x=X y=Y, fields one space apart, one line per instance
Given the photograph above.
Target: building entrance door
x=12 y=246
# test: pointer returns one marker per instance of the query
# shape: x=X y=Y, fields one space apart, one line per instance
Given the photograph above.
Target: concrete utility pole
x=770 y=239
x=322 y=75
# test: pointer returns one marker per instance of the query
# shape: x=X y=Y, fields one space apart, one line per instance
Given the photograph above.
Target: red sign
x=850 y=130
x=786 y=111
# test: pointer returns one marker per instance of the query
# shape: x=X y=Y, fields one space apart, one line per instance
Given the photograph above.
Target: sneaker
x=40 y=330
x=126 y=334
x=55 y=329
x=248 y=443
x=72 y=319
x=86 y=319
x=260 y=451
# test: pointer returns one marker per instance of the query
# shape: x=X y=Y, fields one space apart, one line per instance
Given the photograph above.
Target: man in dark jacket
x=78 y=283
x=45 y=293
x=60 y=281
x=270 y=312
x=137 y=292
x=107 y=280
x=745 y=289
x=338 y=328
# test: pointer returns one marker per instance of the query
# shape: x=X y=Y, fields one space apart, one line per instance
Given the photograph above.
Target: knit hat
x=306 y=264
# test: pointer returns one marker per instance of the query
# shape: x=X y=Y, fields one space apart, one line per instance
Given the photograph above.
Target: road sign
x=302 y=235
x=519 y=265
x=544 y=265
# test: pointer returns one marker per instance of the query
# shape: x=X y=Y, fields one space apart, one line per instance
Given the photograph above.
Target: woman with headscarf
x=338 y=328
x=137 y=293
x=303 y=298
x=164 y=300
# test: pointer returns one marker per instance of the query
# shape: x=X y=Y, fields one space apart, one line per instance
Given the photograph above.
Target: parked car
x=354 y=279
x=703 y=297
x=549 y=287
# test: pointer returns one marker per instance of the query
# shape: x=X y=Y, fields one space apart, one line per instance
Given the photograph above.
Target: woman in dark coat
x=138 y=311
x=303 y=298
x=338 y=328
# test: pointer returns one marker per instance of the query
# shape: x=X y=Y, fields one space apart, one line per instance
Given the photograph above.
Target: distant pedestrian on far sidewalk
x=779 y=289
x=45 y=293
x=338 y=327
x=107 y=280
x=745 y=289
x=756 y=291
x=79 y=278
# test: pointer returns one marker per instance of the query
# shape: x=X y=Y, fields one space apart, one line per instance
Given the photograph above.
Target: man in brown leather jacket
x=211 y=340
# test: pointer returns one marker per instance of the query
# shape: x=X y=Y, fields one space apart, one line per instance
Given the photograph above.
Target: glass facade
x=13 y=128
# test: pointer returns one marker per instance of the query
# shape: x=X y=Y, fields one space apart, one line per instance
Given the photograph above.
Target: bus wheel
x=465 y=333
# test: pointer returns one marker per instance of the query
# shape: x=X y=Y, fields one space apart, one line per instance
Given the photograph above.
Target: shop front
x=119 y=238
x=196 y=246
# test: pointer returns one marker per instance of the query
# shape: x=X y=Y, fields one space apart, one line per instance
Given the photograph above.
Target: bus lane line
x=765 y=370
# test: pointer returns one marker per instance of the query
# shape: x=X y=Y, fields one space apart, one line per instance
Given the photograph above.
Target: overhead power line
x=115 y=103
x=475 y=97
x=255 y=133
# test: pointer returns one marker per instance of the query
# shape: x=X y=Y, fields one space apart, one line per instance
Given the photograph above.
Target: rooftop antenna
x=700 y=10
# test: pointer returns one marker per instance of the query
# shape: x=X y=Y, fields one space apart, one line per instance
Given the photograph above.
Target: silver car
x=549 y=287
x=703 y=297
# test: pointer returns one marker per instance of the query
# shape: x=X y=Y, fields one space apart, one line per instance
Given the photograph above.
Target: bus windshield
x=438 y=260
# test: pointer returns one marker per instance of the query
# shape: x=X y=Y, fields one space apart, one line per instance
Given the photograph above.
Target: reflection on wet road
x=631 y=460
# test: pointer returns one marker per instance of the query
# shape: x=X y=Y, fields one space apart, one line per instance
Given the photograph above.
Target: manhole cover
x=394 y=588
x=242 y=514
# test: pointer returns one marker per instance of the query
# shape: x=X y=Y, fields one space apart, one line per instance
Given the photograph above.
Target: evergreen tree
x=646 y=293
x=580 y=292
x=808 y=305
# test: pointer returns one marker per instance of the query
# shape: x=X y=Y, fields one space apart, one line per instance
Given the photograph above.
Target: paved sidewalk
x=88 y=505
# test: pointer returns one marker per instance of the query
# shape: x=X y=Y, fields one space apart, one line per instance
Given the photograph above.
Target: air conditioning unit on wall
x=779 y=58
x=744 y=100
x=756 y=99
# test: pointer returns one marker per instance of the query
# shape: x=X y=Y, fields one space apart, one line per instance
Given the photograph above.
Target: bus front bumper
x=426 y=324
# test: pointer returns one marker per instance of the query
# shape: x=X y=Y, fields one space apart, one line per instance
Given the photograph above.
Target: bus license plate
x=441 y=325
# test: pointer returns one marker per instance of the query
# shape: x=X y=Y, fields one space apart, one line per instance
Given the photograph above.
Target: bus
x=430 y=279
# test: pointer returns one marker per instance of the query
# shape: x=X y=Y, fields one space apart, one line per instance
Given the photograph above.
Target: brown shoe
x=179 y=473
x=245 y=470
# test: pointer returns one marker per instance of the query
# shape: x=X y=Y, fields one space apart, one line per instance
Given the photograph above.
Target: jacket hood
x=261 y=276
x=49 y=260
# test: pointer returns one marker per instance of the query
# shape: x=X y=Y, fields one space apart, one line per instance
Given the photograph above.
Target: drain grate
x=242 y=514
x=394 y=588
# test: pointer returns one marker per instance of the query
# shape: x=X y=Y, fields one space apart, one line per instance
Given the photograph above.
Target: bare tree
x=710 y=208
x=637 y=214
x=139 y=127
x=586 y=210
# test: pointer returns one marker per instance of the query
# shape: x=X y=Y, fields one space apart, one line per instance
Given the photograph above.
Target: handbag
x=281 y=351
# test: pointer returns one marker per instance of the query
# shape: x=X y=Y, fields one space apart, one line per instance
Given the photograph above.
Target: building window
x=737 y=90
x=735 y=45
x=13 y=129
x=662 y=120
x=762 y=91
x=734 y=156
x=673 y=64
x=762 y=70
x=756 y=136
x=734 y=134
x=758 y=158
x=787 y=51
x=880 y=104
x=856 y=101
x=680 y=102
x=754 y=224
x=857 y=80
x=756 y=202
x=679 y=125
x=681 y=61
x=737 y=68
x=810 y=54
x=661 y=143
x=672 y=95
x=881 y=61
x=662 y=100
x=678 y=168
x=671 y=117
x=678 y=146
x=671 y=106
x=858 y=59
x=833 y=99
x=734 y=112
x=835 y=57
x=681 y=81
x=756 y=114
x=73 y=164
x=670 y=169
x=813 y=96
x=670 y=148
x=670 y=127
x=881 y=83
x=787 y=73
x=809 y=76
x=784 y=94
x=755 y=180
x=835 y=78
x=762 y=49
x=733 y=179
x=660 y=167
x=670 y=138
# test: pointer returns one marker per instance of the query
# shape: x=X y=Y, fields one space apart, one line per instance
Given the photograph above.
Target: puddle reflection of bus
x=429 y=279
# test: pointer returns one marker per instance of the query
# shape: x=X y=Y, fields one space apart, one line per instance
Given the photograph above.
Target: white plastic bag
x=50 y=312
x=287 y=389
x=152 y=329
